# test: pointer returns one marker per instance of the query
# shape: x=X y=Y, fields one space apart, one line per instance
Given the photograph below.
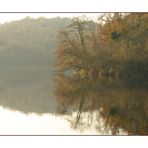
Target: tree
x=78 y=46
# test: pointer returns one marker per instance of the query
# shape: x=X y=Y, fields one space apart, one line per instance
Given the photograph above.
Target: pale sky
x=7 y=17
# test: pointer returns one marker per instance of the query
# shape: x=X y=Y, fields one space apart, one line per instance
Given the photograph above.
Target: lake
x=35 y=101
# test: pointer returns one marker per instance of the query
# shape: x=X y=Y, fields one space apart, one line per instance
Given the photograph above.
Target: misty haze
x=85 y=74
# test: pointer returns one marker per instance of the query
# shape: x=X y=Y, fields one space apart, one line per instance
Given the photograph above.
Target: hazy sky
x=7 y=17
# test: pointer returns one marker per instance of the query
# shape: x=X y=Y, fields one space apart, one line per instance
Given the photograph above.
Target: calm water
x=36 y=101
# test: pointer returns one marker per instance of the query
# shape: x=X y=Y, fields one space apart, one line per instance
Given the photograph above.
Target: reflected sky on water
x=16 y=122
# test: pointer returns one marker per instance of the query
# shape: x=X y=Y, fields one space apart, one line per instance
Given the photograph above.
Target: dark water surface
x=36 y=101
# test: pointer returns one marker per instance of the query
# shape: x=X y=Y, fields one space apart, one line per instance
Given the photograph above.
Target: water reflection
x=123 y=106
x=32 y=105
x=28 y=105
x=27 y=90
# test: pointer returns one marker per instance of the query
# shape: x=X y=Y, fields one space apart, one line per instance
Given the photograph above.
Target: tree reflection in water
x=123 y=106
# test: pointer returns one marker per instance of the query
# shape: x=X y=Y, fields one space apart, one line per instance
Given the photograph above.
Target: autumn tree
x=77 y=50
x=114 y=46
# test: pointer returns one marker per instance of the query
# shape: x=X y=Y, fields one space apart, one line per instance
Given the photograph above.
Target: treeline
x=30 y=42
x=116 y=45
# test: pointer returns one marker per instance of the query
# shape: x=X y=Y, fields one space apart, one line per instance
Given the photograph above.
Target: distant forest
x=29 y=42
